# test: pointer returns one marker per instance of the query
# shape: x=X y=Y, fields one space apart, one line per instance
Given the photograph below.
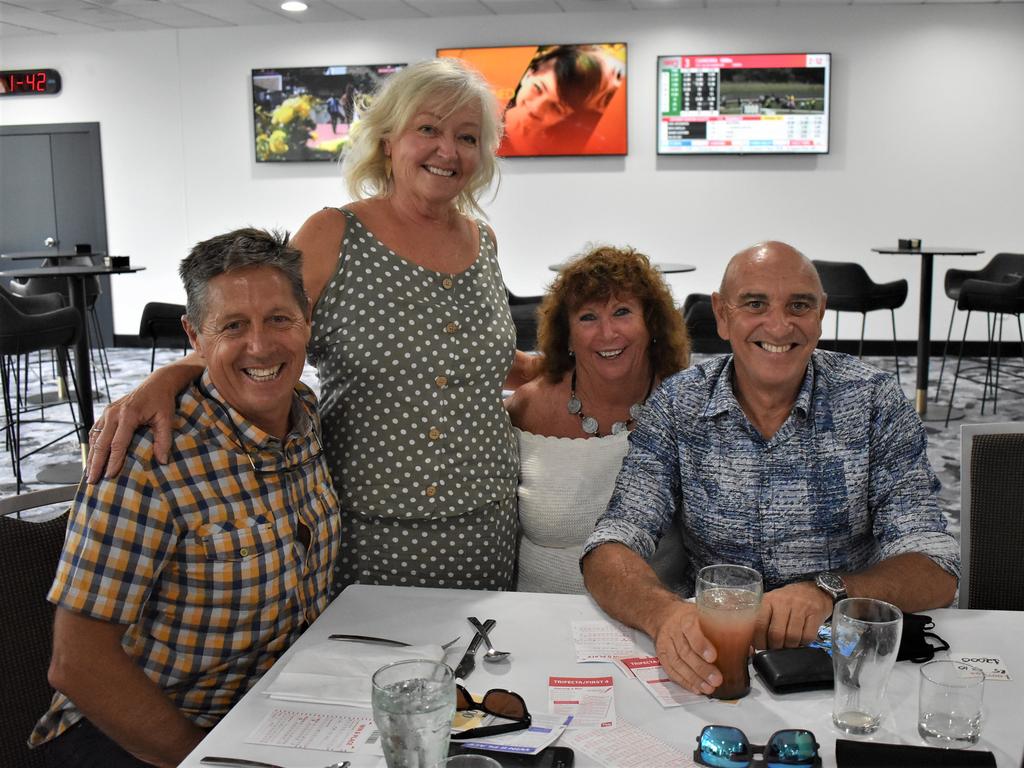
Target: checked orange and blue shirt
x=203 y=558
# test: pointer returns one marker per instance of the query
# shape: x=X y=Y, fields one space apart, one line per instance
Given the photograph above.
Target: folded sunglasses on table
x=497 y=702
x=723 y=746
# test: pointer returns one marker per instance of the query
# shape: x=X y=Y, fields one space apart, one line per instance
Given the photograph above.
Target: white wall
x=926 y=141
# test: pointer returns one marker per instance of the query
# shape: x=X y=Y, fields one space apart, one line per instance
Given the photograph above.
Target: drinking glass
x=728 y=598
x=949 y=705
x=413 y=703
x=865 y=642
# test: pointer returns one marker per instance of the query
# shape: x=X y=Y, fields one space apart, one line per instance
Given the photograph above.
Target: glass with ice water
x=865 y=642
x=728 y=599
x=949 y=707
x=413 y=704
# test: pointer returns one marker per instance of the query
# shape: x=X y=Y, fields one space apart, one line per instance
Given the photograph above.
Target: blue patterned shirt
x=844 y=483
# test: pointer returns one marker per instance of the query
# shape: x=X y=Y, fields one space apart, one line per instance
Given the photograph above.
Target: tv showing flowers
x=306 y=113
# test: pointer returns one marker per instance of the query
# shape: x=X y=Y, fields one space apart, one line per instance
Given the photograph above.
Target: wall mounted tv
x=305 y=113
x=563 y=99
x=768 y=103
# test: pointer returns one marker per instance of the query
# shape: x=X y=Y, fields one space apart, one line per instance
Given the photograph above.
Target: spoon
x=493 y=655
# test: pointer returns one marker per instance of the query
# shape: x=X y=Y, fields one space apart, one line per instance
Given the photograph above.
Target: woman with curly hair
x=609 y=333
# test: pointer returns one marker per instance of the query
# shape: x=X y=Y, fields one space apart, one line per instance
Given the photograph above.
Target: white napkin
x=338 y=672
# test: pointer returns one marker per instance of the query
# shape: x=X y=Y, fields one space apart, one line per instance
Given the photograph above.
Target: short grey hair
x=247 y=247
x=450 y=84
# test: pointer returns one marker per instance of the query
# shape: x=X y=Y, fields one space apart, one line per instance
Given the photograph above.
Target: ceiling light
x=294 y=6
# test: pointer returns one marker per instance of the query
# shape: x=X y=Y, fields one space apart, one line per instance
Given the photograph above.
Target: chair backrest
x=29 y=553
x=161 y=323
x=992 y=516
x=843 y=278
x=699 y=317
x=1003 y=267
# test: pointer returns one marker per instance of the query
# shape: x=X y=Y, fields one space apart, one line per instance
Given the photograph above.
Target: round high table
x=924 y=316
x=72 y=472
x=665 y=267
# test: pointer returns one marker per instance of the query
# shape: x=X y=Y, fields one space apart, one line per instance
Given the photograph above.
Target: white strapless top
x=564 y=487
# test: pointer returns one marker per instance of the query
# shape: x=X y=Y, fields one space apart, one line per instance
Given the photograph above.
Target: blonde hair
x=448 y=85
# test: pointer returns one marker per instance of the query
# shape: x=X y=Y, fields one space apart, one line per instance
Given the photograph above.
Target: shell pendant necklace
x=589 y=423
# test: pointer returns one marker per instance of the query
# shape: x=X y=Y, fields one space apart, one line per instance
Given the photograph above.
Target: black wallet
x=789 y=670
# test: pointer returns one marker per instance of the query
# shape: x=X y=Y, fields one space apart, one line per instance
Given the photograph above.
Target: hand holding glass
x=413 y=704
x=728 y=598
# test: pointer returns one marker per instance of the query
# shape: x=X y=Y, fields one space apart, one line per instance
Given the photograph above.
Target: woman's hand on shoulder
x=319 y=239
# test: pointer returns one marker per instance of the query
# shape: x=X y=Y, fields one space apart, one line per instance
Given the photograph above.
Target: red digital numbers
x=29 y=81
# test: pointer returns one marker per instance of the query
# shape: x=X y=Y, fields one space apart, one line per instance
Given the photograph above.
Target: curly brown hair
x=596 y=275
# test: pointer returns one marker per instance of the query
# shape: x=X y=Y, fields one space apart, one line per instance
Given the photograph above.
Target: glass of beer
x=728 y=598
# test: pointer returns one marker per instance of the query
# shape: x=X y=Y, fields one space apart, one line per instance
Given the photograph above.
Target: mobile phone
x=549 y=757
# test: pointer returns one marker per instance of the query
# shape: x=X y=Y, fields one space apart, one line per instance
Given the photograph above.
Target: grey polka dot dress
x=411 y=364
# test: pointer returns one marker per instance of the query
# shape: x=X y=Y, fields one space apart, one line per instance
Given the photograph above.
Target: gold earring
x=387 y=167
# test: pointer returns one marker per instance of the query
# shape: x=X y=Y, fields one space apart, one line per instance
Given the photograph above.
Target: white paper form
x=667 y=692
x=603 y=640
x=989 y=663
x=313 y=730
x=626 y=746
x=542 y=732
x=590 y=701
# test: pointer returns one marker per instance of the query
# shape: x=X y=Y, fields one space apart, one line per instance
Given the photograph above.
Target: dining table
x=537 y=629
x=71 y=472
x=927 y=254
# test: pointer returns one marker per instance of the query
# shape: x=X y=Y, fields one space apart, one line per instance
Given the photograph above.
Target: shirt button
x=447 y=283
x=434 y=433
x=244 y=551
x=451 y=327
x=431 y=490
x=441 y=381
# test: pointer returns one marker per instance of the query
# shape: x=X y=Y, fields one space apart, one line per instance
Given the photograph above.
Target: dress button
x=447 y=283
x=431 y=490
x=451 y=327
x=434 y=433
x=441 y=381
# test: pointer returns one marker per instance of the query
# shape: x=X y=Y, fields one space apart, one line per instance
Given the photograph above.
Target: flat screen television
x=305 y=113
x=765 y=103
x=560 y=99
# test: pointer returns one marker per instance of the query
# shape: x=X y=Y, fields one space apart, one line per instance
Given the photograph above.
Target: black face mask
x=914 y=644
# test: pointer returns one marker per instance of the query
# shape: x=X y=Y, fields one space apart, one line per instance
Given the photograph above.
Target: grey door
x=51 y=186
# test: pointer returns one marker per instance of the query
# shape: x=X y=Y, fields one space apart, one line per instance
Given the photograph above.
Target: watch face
x=831 y=582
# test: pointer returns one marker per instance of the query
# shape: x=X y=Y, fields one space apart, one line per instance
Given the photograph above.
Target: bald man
x=808 y=466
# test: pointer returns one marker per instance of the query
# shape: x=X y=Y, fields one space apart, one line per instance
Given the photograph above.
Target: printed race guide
x=648 y=670
x=589 y=700
x=313 y=730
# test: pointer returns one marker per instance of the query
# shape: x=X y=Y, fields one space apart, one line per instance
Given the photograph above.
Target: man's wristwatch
x=832 y=584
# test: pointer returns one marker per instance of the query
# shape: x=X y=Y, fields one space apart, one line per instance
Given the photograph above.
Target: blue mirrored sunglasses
x=722 y=746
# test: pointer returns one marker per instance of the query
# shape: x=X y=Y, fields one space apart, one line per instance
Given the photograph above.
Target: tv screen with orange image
x=564 y=99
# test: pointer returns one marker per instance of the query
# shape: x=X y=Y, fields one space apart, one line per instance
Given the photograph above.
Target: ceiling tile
x=46 y=22
x=238 y=12
x=438 y=8
x=169 y=14
x=666 y=5
x=509 y=7
x=581 y=6
x=369 y=10
x=318 y=11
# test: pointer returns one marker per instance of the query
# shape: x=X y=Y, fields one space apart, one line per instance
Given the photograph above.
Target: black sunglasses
x=497 y=702
x=723 y=746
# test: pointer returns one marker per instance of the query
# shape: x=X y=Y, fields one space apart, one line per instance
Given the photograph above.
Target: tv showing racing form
x=767 y=103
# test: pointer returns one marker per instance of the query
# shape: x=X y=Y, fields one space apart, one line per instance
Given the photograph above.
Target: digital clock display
x=24 y=82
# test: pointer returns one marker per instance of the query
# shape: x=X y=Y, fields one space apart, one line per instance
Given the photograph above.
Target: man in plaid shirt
x=181 y=583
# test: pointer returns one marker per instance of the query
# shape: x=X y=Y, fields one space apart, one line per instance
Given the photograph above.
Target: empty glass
x=949 y=704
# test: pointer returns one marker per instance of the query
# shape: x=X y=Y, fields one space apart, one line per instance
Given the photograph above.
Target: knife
x=468 y=663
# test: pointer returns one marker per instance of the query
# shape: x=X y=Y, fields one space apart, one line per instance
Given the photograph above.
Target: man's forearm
x=626 y=587
x=912 y=582
x=112 y=691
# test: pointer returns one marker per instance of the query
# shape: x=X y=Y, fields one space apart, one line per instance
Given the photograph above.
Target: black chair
x=161 y=324
x=1003 y=267
x=29 y=553
x=699 y=317
x=992 y=516
x=35 y=286
x=998 y=299
x=850 y=289
x=524 y=315
x=20 y=334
